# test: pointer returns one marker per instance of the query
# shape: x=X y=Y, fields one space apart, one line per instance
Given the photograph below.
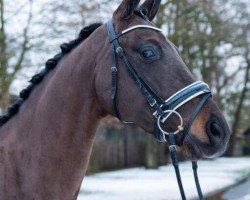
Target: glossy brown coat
x=45 y=147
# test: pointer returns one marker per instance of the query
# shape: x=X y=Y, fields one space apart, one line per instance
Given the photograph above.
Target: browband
x=117 y=35
x=140 y=27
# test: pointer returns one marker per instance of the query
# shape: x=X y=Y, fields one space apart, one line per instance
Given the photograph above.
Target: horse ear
x=126 y=9
x=150 y=8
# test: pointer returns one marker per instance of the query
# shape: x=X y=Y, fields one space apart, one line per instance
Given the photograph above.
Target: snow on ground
x=239 y=192
x=160 y=184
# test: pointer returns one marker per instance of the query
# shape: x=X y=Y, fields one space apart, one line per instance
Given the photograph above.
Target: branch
x=227 y=78
x=18 y=10
x=24 y=47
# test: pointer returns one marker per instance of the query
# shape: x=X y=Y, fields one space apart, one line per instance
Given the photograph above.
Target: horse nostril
x=216 y=130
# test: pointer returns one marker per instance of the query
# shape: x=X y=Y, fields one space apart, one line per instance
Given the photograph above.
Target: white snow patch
x=142 y=184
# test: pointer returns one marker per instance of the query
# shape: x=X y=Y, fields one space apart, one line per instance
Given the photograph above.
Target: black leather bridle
x=163 y=108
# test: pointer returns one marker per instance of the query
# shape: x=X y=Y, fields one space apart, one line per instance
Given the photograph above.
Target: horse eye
x=148 y=53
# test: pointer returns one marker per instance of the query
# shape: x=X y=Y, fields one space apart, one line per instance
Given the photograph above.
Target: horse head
x=157 y=67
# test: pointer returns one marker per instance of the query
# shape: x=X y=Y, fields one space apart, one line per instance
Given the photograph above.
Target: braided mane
x=49 y=66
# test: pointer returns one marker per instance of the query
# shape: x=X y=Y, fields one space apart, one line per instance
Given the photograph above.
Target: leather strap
x=196 y=179
x=175 y=163
x=193 y=117
x=154 y=100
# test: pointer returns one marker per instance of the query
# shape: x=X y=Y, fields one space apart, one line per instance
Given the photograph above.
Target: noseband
x=163 y=108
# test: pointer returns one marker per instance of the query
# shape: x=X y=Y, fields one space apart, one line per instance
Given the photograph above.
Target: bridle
x=163 y=108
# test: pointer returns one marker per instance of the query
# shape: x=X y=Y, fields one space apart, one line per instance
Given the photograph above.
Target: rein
x=163 y=108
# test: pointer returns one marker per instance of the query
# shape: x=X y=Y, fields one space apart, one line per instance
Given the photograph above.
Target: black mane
x=50 y=65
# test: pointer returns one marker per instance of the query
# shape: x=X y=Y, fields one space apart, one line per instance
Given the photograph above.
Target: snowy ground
x=142 y=184
x=240 y=192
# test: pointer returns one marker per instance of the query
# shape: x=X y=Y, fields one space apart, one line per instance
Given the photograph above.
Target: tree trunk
x=5 y=100
x=235 y=126
x=151 y=157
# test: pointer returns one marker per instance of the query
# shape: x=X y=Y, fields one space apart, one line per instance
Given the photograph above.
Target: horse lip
x=196 y=152
x=204 y=150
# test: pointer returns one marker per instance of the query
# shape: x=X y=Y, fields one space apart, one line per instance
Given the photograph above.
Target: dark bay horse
x=47 y=135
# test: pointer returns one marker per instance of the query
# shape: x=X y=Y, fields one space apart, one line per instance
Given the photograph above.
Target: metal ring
x=180 y=127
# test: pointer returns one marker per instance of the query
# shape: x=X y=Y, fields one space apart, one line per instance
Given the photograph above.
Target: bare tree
x=8 y=67
x=45 y=26
x=241 y=98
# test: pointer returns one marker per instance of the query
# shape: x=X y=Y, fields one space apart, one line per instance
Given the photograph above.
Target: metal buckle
x=152 y=104
x=156 y=114
x=114 y=69
x=172 y=147
x=119 y=50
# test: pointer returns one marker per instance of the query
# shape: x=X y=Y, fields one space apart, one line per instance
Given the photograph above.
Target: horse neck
x=53 y=133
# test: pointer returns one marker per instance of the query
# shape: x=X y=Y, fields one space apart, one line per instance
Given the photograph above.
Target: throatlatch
x=163 y=109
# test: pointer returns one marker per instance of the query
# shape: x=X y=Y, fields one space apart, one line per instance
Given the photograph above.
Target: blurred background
x=213 y=37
